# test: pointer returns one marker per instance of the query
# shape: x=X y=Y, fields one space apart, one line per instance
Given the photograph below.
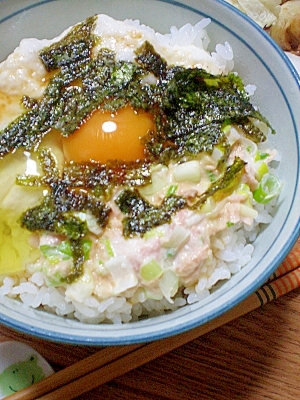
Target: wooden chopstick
x=114 y=361
x=73 y=372
x=141 y=356
x=111 y=362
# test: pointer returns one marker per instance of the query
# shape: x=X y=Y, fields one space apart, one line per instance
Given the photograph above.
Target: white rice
x=231 y=248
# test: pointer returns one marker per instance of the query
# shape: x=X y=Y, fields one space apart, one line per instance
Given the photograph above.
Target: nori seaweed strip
x=194 y=106
x=190 y=108
x=226 y=183
x=56 y=211
x=93 y=174
x=141 y=216
x=150 y=60
x=73 y=49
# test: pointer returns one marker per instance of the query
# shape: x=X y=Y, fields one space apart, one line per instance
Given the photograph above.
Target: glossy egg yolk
x=108 y=136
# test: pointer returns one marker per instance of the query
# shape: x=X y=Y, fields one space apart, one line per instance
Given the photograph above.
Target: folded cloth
x=285 y=279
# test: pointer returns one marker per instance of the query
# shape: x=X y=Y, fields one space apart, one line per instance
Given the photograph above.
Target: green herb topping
x=142 y=216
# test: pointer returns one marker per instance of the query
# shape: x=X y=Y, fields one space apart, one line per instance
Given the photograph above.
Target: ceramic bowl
x=259 y=61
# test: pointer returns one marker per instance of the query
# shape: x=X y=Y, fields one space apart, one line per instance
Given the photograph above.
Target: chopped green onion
x=268 y=188
x=172 y=190
x=229 y=224
x=153 y=233
x=211 y=176
x=56 y=254
x=53 y=279
x=108 y=247
x=169 y=285
x=87 y=244
x=153 y=295
x=208 y=205
x=249 y=145
x=244 y=190
x=261 y=156
x=171 y=253
x=218 y=153
x=226 y=128
x=247 y=211
x=158 y=181
x=189 y=171
x=261 y=169
x=151 y=271
x=63 y=251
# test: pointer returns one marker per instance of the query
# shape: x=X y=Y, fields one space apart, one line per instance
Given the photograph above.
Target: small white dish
x=20 y=366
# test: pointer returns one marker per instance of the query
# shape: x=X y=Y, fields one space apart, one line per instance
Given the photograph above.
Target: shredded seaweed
x=141 y=216
x=251 y=131
x=189 y=105
x=194 y=106
x=80 y=85
x=151 y=61
x=95 y=175
x=57 y=211
x=190 y=109
x=223 y=185
x=73 y=49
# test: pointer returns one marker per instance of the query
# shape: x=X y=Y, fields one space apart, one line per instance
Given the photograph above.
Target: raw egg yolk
x=109 y=136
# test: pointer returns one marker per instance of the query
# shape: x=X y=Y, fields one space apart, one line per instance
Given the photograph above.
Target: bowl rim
x=74 y=338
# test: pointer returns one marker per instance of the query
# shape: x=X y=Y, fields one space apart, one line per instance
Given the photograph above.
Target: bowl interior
x=259 y=61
